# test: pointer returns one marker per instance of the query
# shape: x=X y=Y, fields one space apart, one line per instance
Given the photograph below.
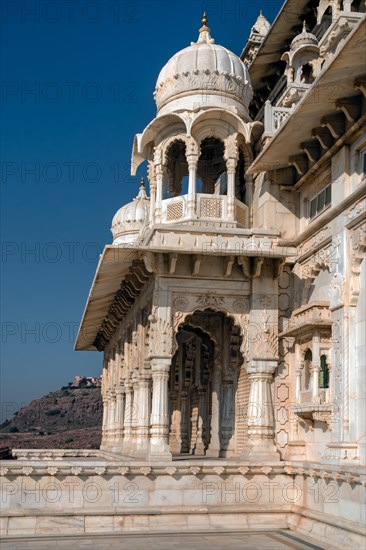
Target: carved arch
x=240 y=320
x=358 y=240
x=191 y=145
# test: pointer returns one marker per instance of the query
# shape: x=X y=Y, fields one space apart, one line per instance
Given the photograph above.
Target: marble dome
x=129 y=219
x=204 y=74
x=305 y=38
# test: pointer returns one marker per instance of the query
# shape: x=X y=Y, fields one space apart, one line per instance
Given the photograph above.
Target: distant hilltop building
x=85 y=381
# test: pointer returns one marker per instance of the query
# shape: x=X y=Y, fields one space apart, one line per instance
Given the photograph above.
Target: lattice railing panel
x=174 y=211
x=211 y=208
x=241 y=215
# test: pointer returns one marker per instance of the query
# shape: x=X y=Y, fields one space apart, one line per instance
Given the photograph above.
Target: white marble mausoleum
x=230 y=306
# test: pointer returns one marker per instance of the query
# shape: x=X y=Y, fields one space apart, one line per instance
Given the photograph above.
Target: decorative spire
x=304 y=29
x=204 y=36
x=261 y=26
x=142 y=190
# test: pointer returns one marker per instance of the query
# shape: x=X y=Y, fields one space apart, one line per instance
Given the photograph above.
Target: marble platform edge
x=252 y=522
x=74 y=465
x=169 y=510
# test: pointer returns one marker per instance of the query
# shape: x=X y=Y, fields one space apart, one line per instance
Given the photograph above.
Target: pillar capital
x=160 y=365
x=231 y=165
x=262 y=366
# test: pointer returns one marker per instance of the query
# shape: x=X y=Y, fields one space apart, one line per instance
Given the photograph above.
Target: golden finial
x=204 y=36
x=304 y=29
x=142 y=182
x=260 y=12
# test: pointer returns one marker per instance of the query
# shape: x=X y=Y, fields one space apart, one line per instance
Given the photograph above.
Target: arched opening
x=325 y=21
x=207 y=388
x=358 y=6
x=176 y=167
x=307 y=76
x=323 y=373
x=212 y=167
x=308 y=360
x=240 y=179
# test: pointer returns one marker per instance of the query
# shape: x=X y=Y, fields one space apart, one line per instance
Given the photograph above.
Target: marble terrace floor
x=273 y=540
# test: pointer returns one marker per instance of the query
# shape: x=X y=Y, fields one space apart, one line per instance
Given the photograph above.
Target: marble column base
x=260 y=452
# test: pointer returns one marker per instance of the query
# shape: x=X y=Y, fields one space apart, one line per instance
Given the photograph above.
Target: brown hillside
x=68 y=418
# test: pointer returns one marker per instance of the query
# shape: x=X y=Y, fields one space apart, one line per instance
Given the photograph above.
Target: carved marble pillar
x=260 y=417
x=227 y=417
x=184 y=447
x=159 y=446
x=119 y=419
x=112 y=418
x=230 y=169
x=315 y=368
x=175 y=441
x=105 y=422
x=152 y=182
x=192 y=170
x=298 y=384
x=159 y=192
x=134 y=411
x=199 y=449
x=214 y=445
x=127 y=431
x=143 y=414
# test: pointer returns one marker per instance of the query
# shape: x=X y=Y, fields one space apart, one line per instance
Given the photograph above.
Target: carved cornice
x=124 y=299
x=66 y=465
x=206 y=81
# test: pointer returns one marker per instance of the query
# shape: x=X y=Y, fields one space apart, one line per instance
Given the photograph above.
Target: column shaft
x=159 y=447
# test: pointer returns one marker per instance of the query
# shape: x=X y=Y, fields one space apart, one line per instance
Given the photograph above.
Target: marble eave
x=307 y=327
x=334 y=82
x=213 y=240
x=113 y=266
x=280 y=32
x=115 y=262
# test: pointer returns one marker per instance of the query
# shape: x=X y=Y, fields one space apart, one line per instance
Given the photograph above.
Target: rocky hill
x=68 y=418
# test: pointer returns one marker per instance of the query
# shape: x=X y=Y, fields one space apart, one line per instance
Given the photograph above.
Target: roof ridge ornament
x=204 y=36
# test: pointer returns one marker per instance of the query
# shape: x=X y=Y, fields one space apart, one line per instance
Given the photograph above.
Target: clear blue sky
x=77 y=84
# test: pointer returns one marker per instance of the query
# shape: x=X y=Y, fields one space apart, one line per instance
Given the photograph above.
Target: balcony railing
x=207 y=208
x=274 y=117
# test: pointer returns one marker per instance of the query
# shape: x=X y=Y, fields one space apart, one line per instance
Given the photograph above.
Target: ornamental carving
x=160 y=337
x=266 y=347
x=336 y=291
x=356 y=210
x=205 y=81
x=180 y=303
x=231 y=148
x=241 y=306
x=323 y=259
x=210 y=300
x=358 y=244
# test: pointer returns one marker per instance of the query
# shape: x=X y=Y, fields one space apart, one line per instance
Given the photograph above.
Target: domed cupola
x=303 y=63
x=129 y=219
x=202 y=76
x=305 y=38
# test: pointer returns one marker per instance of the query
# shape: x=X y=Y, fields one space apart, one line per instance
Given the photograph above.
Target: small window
x=323 y=373
x=363 y=163
x=308 y=358
x=320 y=202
